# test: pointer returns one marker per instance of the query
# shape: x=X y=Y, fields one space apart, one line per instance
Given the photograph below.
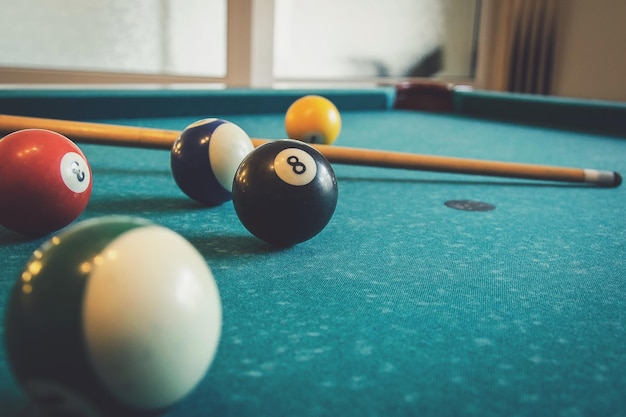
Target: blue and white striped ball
x=205 y=157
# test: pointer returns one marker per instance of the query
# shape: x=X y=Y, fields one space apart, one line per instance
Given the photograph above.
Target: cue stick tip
x=602 y=178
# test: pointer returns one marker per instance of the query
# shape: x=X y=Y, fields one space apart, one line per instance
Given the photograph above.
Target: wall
x=591 y=52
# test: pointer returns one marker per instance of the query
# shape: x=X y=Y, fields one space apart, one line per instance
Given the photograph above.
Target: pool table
x=511 y=303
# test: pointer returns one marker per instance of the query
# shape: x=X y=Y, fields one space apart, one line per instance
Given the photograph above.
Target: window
x=348 y=39
x=186 y=40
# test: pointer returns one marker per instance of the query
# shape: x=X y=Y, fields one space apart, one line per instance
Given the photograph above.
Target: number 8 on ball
x=295 y=166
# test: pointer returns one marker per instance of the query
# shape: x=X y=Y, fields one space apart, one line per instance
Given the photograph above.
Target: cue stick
x=106 y=134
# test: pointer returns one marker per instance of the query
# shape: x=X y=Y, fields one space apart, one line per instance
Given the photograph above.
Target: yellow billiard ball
x=313 y=119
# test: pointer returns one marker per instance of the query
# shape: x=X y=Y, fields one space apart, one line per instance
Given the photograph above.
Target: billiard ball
x=204 y=159
x=285 y=192
x=45 y=181
x=313 y=119
x=112 y=316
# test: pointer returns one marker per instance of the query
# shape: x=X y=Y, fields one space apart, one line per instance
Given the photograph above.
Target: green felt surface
x=401 y=306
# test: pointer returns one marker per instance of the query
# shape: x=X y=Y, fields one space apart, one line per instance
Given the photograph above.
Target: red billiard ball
x=45 y=181
x=285 y=192
x=313 y=119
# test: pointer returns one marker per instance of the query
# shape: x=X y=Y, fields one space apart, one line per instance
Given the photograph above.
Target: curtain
x=516 y=45
x=532 y=46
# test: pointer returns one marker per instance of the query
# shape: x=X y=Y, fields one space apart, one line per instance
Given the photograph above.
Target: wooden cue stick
x=105 y=134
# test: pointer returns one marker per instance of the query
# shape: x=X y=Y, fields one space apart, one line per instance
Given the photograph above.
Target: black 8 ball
x=285 y=192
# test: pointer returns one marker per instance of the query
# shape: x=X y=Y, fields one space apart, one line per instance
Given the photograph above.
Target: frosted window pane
x=186 y=37
x=368 y=38
x=197 y=36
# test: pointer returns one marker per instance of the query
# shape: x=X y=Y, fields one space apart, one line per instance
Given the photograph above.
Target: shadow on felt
x=143 y=205
x=227 y=246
